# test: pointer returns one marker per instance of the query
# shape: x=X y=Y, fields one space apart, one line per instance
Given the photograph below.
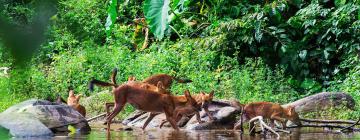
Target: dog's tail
x=181 y=80
x=113 y=75
x=100 y=83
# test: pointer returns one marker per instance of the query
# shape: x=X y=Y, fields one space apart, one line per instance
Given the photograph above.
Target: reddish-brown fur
x=267 y=110
x=73 y=101
x=165 y=79
x=190 y=108
x=145 y=100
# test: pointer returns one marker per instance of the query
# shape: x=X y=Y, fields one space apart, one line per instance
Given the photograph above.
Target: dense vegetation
x=254 y=50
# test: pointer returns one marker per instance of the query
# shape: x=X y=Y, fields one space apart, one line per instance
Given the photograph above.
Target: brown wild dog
x=167 y=80
x=177 y=100
x=145 y=100
x=202 y=99
x=267 y=110
x=190 y=108
x=73 y=101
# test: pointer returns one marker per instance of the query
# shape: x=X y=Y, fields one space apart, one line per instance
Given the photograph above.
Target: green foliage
x=275 y=50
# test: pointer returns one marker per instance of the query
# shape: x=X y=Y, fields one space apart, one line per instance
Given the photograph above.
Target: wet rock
x=41 y=118
x=225 y=117
x=23 y=125
x=155 y=122
x=133 y=116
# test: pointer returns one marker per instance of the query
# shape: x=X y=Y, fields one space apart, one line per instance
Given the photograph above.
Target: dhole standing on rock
x=267 y=110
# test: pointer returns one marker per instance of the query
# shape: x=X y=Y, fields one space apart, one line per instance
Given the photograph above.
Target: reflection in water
x=169 y=134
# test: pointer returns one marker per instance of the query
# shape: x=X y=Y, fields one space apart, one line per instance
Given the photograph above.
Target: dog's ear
x=187 y=94
x=131 y=78
x=160 y=85
x=78 y=97
x=291 y=110
x=211 y=93
x=71 y=93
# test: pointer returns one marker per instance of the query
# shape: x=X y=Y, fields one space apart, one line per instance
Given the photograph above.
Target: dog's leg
x=198 y=117
x=151 y=116
x=208 y=113
x=171 y=119
x=119 y=104
x=107 y=107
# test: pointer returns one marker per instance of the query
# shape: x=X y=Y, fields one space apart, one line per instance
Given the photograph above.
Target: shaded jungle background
x=273 y=50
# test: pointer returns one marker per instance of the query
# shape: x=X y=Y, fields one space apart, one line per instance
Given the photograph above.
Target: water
x=99 y=133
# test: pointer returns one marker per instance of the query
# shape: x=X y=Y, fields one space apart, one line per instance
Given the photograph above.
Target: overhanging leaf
x=156 y=15
x=111 y=18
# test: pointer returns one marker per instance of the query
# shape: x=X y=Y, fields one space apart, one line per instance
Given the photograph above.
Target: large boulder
x=41 y=118
x=323 y=101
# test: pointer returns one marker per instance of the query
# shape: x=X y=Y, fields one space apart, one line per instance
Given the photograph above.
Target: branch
x=349 y=127
x=330 y=121
x=263 y=125
x=321 y=125
x=98 y=116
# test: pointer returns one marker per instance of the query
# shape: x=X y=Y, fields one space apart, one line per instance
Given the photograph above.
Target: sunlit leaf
x=156 y=15
x=111 y=18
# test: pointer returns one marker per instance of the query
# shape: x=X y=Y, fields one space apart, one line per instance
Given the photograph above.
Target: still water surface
x=99 y=133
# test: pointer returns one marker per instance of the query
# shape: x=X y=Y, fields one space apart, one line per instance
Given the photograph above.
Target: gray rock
x=225 y=117
x=41 y=118
x=24 y=125
x=322 y=101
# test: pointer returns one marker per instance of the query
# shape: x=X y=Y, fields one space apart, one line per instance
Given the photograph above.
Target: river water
x=99 y=133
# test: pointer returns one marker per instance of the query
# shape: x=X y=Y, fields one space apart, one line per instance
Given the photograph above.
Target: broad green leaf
x=72 y=129
x=156 y=15
x=258 y=33
x=339 y=3
x=111 y=18
x=303 y=54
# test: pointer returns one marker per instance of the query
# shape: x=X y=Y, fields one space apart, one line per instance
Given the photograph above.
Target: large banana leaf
x=112 y=14
x=156 y=15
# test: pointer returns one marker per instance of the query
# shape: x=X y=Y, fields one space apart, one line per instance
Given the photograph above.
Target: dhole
x=190 y=108
x=73 y=101
x=145 y=100
x=164 y=78
x=267 y=110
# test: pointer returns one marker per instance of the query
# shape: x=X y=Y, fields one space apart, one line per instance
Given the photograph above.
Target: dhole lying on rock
x=267 y=110
x=73 y=101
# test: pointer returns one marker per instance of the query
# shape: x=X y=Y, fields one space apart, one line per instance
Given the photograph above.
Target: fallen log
x=331 y=121
x=322 y=125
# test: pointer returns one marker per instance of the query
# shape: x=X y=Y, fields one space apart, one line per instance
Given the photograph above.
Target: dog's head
x=206 y=99
x=161 y=88
x=131 y=78
x=72 y=99
x=190 y=101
